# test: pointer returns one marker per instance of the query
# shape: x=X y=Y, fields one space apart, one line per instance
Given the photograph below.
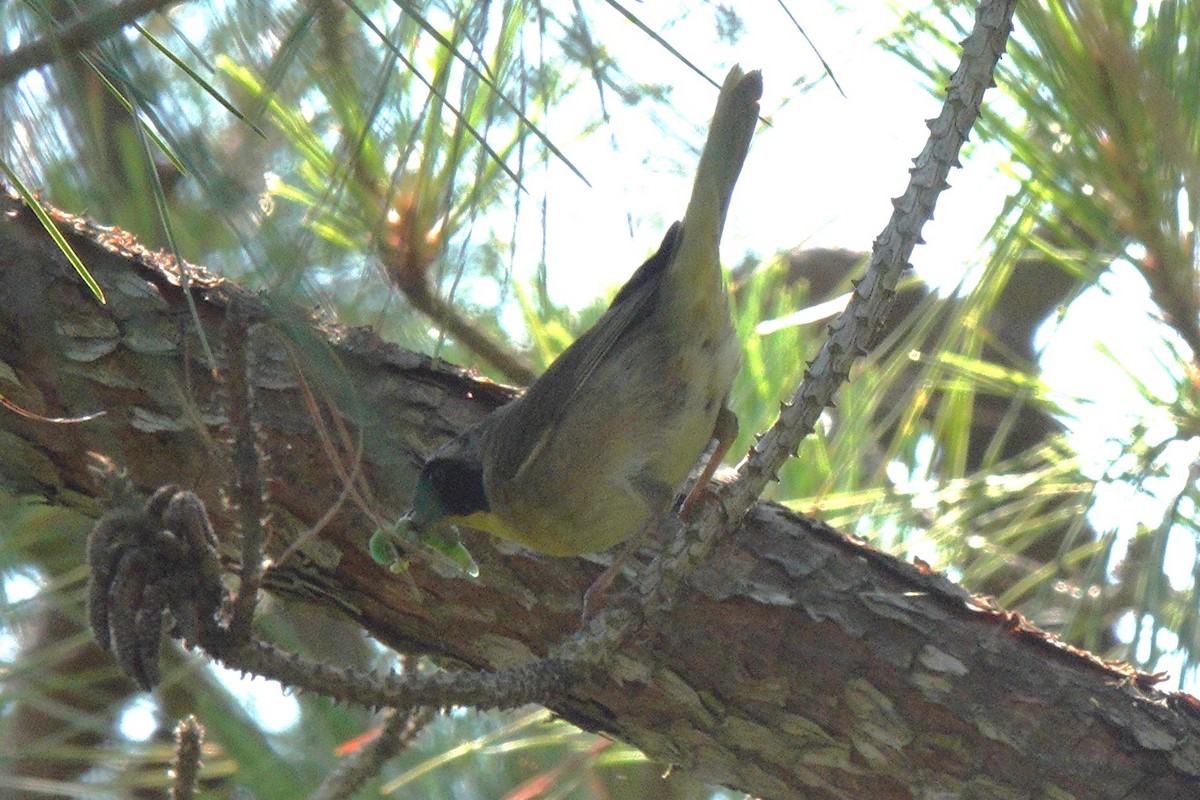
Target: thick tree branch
x=799 y=663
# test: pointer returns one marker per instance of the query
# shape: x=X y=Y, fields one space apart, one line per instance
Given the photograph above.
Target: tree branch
x=798 y=663
x=76 y=36
x=855 y=332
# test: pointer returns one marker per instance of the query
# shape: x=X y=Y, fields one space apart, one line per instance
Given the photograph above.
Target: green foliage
x=1099 y=114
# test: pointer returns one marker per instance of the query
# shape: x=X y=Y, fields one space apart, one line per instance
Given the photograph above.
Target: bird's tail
x=720 y=163
x=725 y=150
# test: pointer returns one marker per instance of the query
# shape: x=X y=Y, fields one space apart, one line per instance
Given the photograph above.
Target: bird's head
x=450 y=490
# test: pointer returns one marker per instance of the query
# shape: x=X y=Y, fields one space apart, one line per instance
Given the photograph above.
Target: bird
x=594 y=452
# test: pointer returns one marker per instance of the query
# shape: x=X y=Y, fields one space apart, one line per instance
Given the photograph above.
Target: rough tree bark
x=801 y=663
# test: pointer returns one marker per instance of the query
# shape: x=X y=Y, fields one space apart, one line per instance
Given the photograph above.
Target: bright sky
x=822 y=174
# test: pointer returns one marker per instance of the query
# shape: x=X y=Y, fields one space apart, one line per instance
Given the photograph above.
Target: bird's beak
x=409 y=522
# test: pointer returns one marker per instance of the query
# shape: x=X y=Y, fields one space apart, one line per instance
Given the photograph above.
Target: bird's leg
x=658 y=497
x=725 y=431
x=596 y=595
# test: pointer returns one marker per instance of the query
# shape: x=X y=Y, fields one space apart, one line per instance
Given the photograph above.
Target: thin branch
x=79 y=35
x=185 y=772
x=855 y=332
x=534 y=682
x=471 y=336
x=365 y=763
x=247 y=465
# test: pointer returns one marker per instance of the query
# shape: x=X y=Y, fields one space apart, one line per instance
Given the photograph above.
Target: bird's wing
x=521 y=435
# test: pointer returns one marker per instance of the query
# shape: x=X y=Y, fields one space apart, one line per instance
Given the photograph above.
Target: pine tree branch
x=798 y=663
x=76 y=36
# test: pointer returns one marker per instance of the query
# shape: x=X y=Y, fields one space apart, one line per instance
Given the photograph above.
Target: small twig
x=185 y=772
x=365 y=763
x=79 y=35
x=16 y=409
x=536 y=682
x=468 y=334
x=247 y=468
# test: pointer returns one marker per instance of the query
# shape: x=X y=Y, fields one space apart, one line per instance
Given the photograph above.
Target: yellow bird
x=595 y=450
